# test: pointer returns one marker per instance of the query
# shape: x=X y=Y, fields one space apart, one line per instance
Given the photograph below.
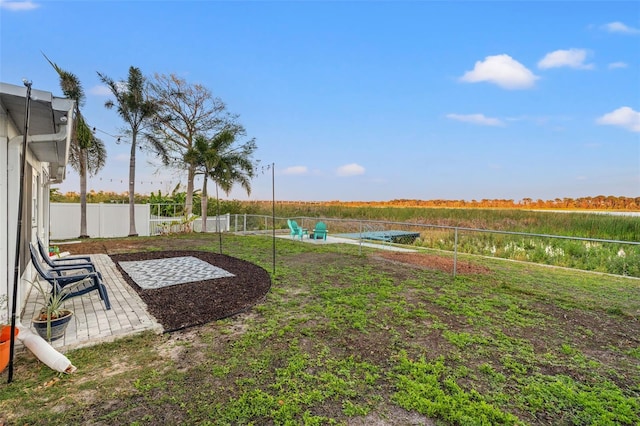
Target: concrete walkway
x=92 y=323
x=340 y=240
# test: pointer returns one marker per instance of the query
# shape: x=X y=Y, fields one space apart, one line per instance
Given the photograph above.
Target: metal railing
x=602 y=255
x=162 y=225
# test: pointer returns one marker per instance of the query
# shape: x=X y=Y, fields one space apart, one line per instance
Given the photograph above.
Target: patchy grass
x=344 y=338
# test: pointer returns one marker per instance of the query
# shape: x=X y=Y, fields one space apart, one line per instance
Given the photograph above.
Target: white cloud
x=295 y=170
x=476 y=119
x=100 y=90
x=619 y=27
x=622 y=117
x=18 y=5
x=572 y=58
x=502 y=70
x=615 y=65
x=352 y=169
x=122 y=158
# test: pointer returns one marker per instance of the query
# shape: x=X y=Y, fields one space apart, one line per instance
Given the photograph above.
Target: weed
x=426 y=387
x=615 y=311
x=599 y=403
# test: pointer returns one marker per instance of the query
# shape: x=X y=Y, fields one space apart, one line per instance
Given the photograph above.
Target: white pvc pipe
x=44 y=351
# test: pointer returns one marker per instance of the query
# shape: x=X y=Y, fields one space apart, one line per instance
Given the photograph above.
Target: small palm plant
x=52 y=306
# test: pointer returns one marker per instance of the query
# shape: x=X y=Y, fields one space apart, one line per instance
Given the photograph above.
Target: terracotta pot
x=58 y=327
x=5 y=345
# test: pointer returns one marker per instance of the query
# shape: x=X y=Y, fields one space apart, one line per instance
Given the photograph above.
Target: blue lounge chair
x=296 y=231
x=79 y=284
x=59 y=267
x=63 y=261
x=320 y=231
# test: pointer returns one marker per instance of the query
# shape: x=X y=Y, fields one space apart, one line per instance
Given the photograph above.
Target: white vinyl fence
x=103 y=220
x=112 y=220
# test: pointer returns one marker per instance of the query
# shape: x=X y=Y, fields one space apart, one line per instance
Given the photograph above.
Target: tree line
x=599 y=202
x=183 y=123
x=162 y=204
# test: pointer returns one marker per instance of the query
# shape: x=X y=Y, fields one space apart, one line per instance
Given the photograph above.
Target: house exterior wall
x=32 y=221
x=4 y=281
x=8 y=215
x=52 y=137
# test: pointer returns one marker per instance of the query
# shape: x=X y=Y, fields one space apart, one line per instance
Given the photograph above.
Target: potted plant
x=5 y=333
x=52 y=319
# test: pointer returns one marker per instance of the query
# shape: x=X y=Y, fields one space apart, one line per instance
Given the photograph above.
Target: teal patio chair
x=320 y=231
x=296 y=231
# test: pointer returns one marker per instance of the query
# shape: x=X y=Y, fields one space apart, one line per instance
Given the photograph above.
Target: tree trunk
x=82 y=159
x=132 y=188
x=218 y=218
x=191 y=174
x=204 y=203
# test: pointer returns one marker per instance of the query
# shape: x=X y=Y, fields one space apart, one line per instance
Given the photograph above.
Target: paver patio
x=92 y=323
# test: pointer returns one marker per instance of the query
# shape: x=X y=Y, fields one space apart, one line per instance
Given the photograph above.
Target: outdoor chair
x=62 y=267
x=79 y=283
x=320 y=231
x=61 y=261
x=296 y=231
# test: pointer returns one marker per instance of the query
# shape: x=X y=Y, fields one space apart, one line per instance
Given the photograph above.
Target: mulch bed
x=199 y=302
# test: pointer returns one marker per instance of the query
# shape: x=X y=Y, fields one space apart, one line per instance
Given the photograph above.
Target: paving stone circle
x=158 y=273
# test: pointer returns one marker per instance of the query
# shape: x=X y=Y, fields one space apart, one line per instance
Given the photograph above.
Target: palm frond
x=69 y=83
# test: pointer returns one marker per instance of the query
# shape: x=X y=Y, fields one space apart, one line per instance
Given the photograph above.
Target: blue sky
x=368 y=100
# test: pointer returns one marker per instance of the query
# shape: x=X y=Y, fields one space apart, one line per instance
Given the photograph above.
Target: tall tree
x=87 y=153
x=137 y=109
x=223 y=161
x=185 y=111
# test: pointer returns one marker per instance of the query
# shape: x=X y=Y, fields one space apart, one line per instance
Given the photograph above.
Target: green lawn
x=344 y=338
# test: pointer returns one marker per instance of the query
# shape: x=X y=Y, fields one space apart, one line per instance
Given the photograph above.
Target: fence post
x=455 y=252
x=245 y=223
x=360 y=243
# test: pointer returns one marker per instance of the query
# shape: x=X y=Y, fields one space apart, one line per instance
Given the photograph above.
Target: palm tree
x=187 y=110
x=87 y=153
x=220 y=160
x=137 y=110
